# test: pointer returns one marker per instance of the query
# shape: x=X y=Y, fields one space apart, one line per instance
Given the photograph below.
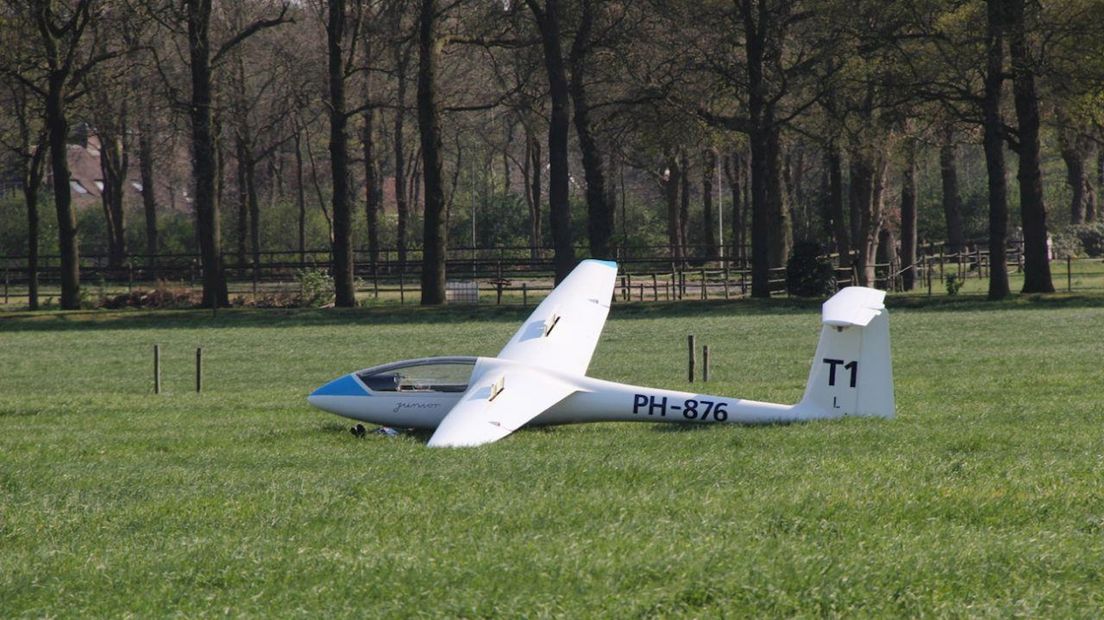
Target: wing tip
x=612 y=264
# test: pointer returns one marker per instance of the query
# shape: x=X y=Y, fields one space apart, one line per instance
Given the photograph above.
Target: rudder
x=852 y=372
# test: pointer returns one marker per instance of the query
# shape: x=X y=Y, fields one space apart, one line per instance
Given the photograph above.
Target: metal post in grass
x=199 y=369
x=693 y=356
x=705 y=363
x=156 y=369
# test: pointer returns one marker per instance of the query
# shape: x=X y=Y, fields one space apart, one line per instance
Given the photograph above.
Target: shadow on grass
x=89 y=320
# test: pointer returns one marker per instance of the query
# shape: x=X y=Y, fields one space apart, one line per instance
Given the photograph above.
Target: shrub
x=953 y=283
x=316 y=287
x=809 y=273
x=1091 y=237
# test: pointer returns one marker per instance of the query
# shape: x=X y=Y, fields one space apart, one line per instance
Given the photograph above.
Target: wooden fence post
x=524 y=294
x=693 y=356
x=705 y=363
x=199 y=369
x=655 y=289
x=704 y=292
x=402 y=288
x=1069 y=274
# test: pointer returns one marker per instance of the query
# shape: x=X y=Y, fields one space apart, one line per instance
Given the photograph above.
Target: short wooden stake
x=156 y=369
x=705 y=363
x=693 y=356
x=199 y=369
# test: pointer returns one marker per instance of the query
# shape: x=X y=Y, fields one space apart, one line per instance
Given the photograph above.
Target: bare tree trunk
x=868 y=174
x=429 y=127
x=301 y=200
x=835 y=203
x=994 y=152
x=548 y=22
x=58 y=127
x=599 y=213
x=1073 y=154
x=149 y=195
x=780 y=232
x=1032 y=208
x=254 y=210
x=32 y=181
x=733 y=167
x=243 y=205
x=533 y=166
x=952 y=204
x=344 y=289
x=401 y=51
x=670 y=185
x=203 y=155
x=709 y=224
x=372 y=191
x=908 y=217
x=684 y=204
x=114 y=162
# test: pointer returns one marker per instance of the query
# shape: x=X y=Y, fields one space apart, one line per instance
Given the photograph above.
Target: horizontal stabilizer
x=853 y=306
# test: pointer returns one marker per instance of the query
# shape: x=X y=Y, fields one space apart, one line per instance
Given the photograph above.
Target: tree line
x=815 y=115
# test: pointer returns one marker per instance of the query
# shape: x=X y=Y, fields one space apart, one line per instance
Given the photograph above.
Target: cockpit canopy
x=430 y=374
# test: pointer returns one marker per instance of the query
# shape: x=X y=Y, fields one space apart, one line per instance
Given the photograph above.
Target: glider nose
x=325 y=396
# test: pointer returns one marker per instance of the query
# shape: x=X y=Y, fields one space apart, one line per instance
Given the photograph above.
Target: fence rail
x=515 y=275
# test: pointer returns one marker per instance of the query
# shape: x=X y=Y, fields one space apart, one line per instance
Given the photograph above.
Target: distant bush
x=1091 y=237
x=316 y=287
x=809 y=272
x=953 y=283
x=161 y=297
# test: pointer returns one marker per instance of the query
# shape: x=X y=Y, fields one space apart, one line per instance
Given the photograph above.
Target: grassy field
x=983 y=498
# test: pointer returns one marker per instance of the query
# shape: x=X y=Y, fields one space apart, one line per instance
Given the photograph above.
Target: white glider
x=539 y=377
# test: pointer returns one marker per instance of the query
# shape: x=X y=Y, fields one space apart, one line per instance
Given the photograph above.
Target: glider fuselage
x=594 y=400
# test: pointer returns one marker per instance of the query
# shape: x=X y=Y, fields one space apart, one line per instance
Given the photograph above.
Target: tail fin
x=852 y=373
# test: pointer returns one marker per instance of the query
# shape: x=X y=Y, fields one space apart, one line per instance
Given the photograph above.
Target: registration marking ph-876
x=699 y=409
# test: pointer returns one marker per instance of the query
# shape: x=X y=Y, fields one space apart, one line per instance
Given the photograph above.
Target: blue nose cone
x=342 y=386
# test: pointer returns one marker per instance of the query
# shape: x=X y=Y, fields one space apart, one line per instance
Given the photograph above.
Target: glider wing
x=563 y=331
x=503 y=399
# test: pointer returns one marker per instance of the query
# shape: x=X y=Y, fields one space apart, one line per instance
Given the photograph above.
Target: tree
x=993 y=123
x=548 y=24
x=908 y=216
x=599 y=212
x=429 y=128
x=62 y=59
x=341 y=205
x=1032 y=207
x=27 y=142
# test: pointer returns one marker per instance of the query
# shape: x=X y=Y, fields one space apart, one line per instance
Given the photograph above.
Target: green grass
x=983 y=498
